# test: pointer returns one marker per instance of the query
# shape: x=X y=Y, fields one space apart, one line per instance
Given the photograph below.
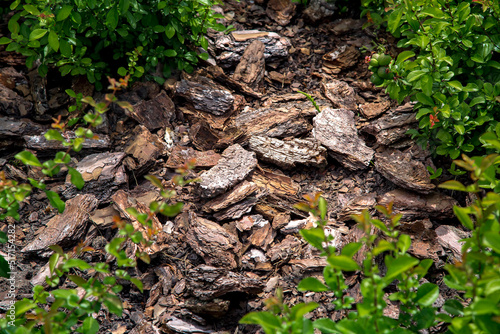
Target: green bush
x=96 y=38
x=476 y=278
x=451 y=68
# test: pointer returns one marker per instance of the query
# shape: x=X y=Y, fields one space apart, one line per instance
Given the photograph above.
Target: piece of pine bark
x=340 y=94
x=356 y=206
x=374 y=109
x=66 y=228
x=218 y=75
x=237 y=210
x=205 y=95
x=288 y=154
x=103 y=174
x=335 y=129
x=235 y=165
x=229 y=48
x=212 y=242
x=238 y=193
x=12 y=103
x=145 y=148
x=417 y=206
x=251 y=67
x=449 y=237
x=281 y=11
x=275 y=183
x=283 y=251
x=339 y=59
x=39 y=143
x=11 y=127
x=262 y=236
x=182 y=154
x=401 y=169
x=207 y=282
x=155 y=113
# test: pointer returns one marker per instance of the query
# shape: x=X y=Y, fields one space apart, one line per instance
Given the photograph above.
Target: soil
x=180 y=270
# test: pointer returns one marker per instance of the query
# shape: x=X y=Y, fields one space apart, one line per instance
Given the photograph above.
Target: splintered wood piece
x=103 y=174
x=10 y=127
x=404 y=171
x=122 y=201
x=155 y=113
x=229 y=48
x=415 y=206
x=181 y=154
x=240 y=192
x=218 y=75
x=340 y=94
x=262 y=237
x=212 y=242
x=287 y=154
x=205 y=95
x=12 y=103
x=202 y=136
x=278 y=184
x=237 y=210
x=66 y=228
x=281 y=11
x=449 y=237
x=207 y=282
x=38 y=142
x=251 y=68
x=335 y=129
x=235 y=165
x=144 y=147
x=342 y=58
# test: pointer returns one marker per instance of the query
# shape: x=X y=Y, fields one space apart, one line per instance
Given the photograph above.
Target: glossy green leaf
x=4 y=267
x=37 y=34
x=314 y=236
x=312 y=284
x=89 y=326
x=55 y=200
x=64 y=12
x=76 y=178
x=54 y=40
x=113 y=304
x=343 y=262
x=427 y=294
x=397 y=266
x=28 y=158
x=463 y=215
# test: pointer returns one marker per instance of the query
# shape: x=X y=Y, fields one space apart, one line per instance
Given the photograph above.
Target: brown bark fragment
x=218 y=75
x=282 y=252
x=449 y=236
x=155 y=113
x=67 y=228
x=278 y=184
x=356 y=206
x=145 y=148
x=12 y=103
x=181 y=154
x=240 y=192
x=10 y=127
x=281 y=11
x=38 y=142
x=287 y=154
x=205 y=95
x=335 y=129
x=340 y=94
x=341 y=58
x=251 y=68
x=372 y=110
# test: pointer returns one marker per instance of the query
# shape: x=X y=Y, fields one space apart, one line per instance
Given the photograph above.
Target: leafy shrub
x=476 y=277
x=89 y=37
x=452 y=70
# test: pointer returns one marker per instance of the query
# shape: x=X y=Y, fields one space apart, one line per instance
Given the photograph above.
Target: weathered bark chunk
x=415 y=206
x=67 y=228
x=319 y=10
x=180 y=155
x=277 y=184
x=38 y=142
x=341 y=94
x=356 y=206
x=144 y=148
x=251 y=68
x=372 y=110
x=206 y=96
x=218 y=75
x=212 y=242
x=287 y=154
x=10 y=127
x=401 y=169
x=230 y=48
x=285 y=250
x=103 y=174
x=449 y=236
x=206 y=282
x=240 y=192
x=281 y=11
x=13 y=104
x=155 y=113
x=335 y=129
x=235 y=164
x=180 y=326
x=343 y=57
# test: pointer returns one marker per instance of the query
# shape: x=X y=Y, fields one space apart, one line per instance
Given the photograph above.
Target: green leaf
x=122 y=71
x=137 y=283
x=76 y=178
x=404 y=243
x=24 y=306
x=53 y=262
x=343 y=262
x=397 y=266
x=351 y=248
x=325 y=325
x=113 y=303
x=78 y=263
x=323 y=207
x=463 y=215
x=300 y=310
x=170 y=53
x=394 y=19
x=453 y=185
x=314 y=236
x=31 y=9
x=426 y=84
x=169 y=31
x=3 y=237
x=124 y=5
x=427 y=294
x=5 y=40
x=89 y=326
x=55 y=200
x=453 y=307
x=54 y=40
x=112 y=18
x=4 y=267
x=172 y=210
x=28 y=158
x=492 y=240
x=54 y=135
x=455 y=84
x=424 y=99
x=312 y=284
x=80 y=281
x=269 y=322
x=459 y=128
x=404 y=56
x=63 y=13
x=37 y=34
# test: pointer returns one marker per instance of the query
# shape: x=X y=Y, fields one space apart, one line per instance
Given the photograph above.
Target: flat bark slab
x=449 y=237
x=424 y=243
x=155 y=113
x=252 y=65
x=237 y=210
x=283 y=251
x=217 y=73
x=288 y=154
x=12 y=103
x=235 y=165
x=374 y=109
x=205 y=95
x=340 y=94
x=238 y=193
x=393 y=126
x=103 y=174
x=356 y=206
x=281 y=11
x=180 y=326
x=418 y=206
x=282 y=121
x=401 y=169
x=11 y=127
x=230 y=48
x=339 y=59
x=319 y=10
x=207 y=282
x=335 y=129
x=122 y=201
x=144 y=148
x=67 y=228
x=38 y=142
x=181 y=154
x=212 y=242
x=274 y=183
